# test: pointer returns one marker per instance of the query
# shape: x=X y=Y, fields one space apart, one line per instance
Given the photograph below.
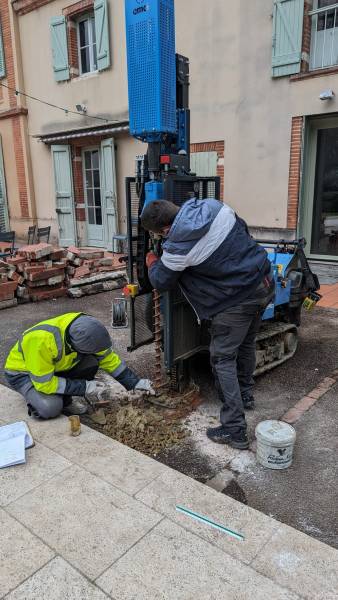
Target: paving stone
x=57 y=581
x=12 y=405
x=21 y=553
x=172 y=488
x=300 y=563
x=41 y=464
x=115 y=463
x=86 y=520
x=53 y=433
x=173 y=564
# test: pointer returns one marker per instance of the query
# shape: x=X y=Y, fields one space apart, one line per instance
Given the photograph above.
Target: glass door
x=93 y=196
x=320 y=210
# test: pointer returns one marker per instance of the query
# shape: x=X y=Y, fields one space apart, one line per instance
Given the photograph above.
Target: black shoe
x=248 y=402
x=236 y=439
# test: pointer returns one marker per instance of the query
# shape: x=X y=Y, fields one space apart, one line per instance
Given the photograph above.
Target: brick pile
x=8 y=285
x=41 y=272
x=91 y=271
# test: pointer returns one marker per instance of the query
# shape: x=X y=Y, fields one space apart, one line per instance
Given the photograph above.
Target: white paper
x=12 y=451
x=19 y=428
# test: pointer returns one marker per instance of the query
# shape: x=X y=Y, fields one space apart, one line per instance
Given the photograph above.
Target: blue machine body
x=279 y=261
x=150 y=30
x=153 y=191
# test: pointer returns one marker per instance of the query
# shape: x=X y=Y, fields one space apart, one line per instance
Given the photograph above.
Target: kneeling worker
x=59 y=358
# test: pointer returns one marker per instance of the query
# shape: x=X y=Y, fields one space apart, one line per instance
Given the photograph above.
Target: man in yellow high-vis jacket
x=59 y=358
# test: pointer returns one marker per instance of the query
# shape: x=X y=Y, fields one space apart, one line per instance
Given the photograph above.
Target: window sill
x=317 y=73
x=90 y=75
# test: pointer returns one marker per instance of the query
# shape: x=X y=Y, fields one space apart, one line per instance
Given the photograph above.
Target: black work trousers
x=233 y=353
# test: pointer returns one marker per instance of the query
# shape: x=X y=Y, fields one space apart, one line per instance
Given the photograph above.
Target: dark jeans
x=233 y=353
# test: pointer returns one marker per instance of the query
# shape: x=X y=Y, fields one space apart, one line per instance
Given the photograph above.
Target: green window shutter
x=102 y=34
x=287 y=37
x=204 y=164
x=4 y=219
x=2 y=56
x=64 y=199
x=59 y=48
x=108 y=189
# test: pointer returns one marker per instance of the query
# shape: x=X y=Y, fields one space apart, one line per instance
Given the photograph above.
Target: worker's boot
x=248 y=402
x=236 y=439
x=74 y=407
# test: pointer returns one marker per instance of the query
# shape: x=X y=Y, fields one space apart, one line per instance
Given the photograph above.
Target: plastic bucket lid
x=276 y=433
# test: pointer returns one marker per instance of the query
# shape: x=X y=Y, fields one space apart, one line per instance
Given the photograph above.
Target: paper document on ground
x=19 y=428
x=12 y=451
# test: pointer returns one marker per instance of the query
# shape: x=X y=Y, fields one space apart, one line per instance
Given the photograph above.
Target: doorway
x=93 y=197
x=320 y=207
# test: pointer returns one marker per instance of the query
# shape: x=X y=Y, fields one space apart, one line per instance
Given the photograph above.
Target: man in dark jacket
x=226 y=276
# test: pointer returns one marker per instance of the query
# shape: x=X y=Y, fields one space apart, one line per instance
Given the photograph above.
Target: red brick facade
x=16 y=113
x=78 y=183
x=306 y=43
x=213 y=147
x=294 y=171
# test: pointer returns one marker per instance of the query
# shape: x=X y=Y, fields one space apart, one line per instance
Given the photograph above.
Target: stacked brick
x=41 y=272
x=91 y=271
x=8 y=286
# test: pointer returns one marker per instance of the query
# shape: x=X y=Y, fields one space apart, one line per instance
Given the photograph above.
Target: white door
x=64 y=199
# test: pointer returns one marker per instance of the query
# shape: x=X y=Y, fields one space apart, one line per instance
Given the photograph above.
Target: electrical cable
x=65 y=110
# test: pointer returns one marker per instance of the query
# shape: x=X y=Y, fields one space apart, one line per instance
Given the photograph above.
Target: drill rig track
x=275 y=344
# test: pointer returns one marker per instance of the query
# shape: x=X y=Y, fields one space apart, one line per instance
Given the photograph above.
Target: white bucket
x=275 y=442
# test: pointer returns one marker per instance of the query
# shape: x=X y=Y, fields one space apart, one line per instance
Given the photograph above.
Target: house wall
x=233 y=99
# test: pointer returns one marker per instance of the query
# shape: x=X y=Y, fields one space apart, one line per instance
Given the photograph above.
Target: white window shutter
x=287 y=37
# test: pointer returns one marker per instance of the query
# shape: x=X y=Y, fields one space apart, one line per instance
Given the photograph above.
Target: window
x=324 y=34
x=87 y=44
x=93 y=186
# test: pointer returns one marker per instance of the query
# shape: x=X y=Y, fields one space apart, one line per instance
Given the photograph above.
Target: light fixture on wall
x=81 y=108
x=326 y=95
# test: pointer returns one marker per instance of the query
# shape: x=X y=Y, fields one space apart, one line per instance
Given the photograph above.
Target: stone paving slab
x=41 y=464
x=301 y=563
x=171 y=563
x=12 y=406
x=123 y=467
x=57 y=581
x=21 y=553
x=174 y=488
x=86 y=520
x=136 y=545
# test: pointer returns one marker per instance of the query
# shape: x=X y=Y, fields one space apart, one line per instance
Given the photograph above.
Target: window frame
x=92 y=188
x=87 y=16
x=315 y=12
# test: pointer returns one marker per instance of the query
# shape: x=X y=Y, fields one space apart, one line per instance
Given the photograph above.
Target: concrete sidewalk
x=87 y=519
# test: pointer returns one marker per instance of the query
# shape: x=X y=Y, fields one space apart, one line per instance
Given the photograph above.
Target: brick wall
x=218 y=147
x=306 y=42
x=294 y=171
x=78 y=183
x=14 y=112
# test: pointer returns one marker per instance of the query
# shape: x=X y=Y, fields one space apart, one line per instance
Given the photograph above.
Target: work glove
x=145 y=385
x=93 y=390
x=151 y=258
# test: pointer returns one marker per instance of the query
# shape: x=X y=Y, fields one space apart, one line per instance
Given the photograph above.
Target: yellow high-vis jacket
x=42 y=352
